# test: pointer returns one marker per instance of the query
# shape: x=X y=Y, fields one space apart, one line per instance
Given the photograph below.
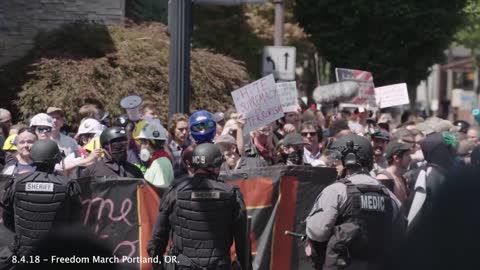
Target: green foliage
x=397 y=40
x=118 y=61
x=243 y=31
x=226 y=30
x=147 y=10
x=469 y=35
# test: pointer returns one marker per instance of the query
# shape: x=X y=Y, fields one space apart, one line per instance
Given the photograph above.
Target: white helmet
x=90 y=126
x=153 y=130
x=42 y=119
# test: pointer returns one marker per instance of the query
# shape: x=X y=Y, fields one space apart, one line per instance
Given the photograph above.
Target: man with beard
x=114 y=142
x=398 y=157
x=380 y=138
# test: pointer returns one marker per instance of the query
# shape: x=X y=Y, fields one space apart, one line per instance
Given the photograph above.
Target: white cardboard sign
x=457 y=98
x=287 y=91
x=258 y=102
x=392 y=95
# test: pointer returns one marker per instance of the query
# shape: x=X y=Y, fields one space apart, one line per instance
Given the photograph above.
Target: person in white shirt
x=66 y=144
x=311 y=139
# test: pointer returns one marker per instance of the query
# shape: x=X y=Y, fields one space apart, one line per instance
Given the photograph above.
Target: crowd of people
x=400 y=159
x=301 y=137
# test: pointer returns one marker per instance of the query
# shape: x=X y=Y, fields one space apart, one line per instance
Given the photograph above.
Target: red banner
x=279 y=198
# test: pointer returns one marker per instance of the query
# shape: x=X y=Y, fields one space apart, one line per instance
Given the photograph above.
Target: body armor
x=362 y=236
x=202 y=223
x=41 y=201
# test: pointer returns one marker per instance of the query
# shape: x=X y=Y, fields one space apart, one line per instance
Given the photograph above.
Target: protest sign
x=456 y=98
x=258 y=102
x=392 y=95
x=288 y=94
x=366 y=95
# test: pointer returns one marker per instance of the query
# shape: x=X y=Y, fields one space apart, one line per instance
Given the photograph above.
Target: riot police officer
x=355 y=221
x=114 y=142
x=204 y=216
x=35 y=203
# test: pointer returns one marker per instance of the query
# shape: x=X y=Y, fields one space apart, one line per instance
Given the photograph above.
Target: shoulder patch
x=40 y=187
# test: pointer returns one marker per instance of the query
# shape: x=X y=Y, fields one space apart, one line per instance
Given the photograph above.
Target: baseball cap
x=226 y=138
x=55 y=109
x=395 y=147
x=41 y=119
x=380 y=134
x=293 y=139
x=5 y=115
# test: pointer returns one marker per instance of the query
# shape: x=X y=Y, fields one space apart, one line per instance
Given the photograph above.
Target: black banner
x=279 y=198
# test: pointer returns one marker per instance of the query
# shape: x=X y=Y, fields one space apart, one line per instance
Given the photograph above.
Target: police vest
x=40 y=204
x=202 y=222
x=363 y=230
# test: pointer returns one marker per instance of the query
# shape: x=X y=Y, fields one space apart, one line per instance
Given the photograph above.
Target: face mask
x=295 y=158
x=145 y=155
x=118 y=151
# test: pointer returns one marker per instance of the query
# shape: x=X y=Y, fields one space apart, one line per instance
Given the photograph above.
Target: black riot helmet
x=207 y=155
x=113 y=133
x=356 y=151
x=45 y=152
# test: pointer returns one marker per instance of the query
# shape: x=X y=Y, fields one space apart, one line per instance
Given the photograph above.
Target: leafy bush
x=83 y=61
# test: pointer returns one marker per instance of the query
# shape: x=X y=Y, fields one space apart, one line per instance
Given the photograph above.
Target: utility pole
x=180 y=27
x=279 y=22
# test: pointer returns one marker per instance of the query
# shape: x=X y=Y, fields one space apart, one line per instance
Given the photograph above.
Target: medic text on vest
x=374 y=203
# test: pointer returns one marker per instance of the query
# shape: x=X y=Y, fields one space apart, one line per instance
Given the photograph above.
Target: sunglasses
x=305 y=134
x=44 y=129
x=203 y=126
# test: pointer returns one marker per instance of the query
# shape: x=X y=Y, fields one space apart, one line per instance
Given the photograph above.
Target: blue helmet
x=202 y=126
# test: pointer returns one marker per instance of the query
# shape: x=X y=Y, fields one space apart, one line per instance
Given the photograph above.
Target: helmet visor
x=203 y=127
